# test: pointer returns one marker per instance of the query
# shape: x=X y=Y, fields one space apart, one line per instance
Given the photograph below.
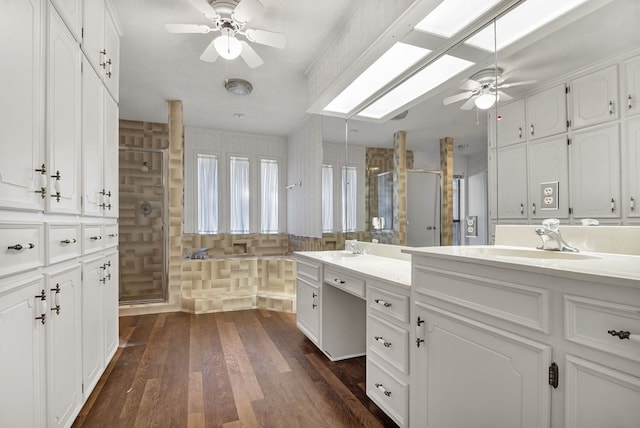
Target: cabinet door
x=594 y=98
x=64 y=347
x=21 y=110
x=308 y=310
x=499 y=379
x=548 y=162
x=594 y=158
x=63 y=118
x=632 y=168
x=110 y=305
x=112 y=67
x=92 y=141
x=93 y=352
x=111 y=159
x=71 y=13
x=93 y=34
x=511 y=124
x=632 y=93
x=547 y=113
x=22 y=356
x=512 y=182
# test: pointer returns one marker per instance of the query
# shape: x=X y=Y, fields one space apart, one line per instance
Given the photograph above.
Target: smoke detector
x=238 y=86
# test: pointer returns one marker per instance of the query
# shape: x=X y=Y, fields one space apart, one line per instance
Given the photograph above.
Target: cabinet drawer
x=63 y=242
x=308 y=270
x=110 y=235
x=588 y=321
x=390 y=394
x=92 y=239
x=389 y=342
x=388 y=304
x=21 y=247
x=344 y=281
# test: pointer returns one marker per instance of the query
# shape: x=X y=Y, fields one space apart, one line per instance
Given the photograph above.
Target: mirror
x=567 y=48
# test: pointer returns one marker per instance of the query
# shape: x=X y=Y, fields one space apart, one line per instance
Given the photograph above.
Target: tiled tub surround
x=235 y=283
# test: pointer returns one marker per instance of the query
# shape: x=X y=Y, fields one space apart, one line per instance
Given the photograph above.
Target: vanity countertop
x=372 y=266
x=607 y=268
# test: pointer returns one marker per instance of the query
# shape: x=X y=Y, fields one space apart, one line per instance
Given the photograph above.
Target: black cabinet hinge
x=567 y=89
x=570 y=210
x=553 y=375
x=568 y=141
x=568 y=124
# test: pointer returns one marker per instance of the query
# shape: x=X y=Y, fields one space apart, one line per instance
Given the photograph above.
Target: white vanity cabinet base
x=344 y=325
x=388 y=392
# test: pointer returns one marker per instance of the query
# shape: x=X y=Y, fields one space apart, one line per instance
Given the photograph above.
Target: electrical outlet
x=471 y=226
x=549 y=195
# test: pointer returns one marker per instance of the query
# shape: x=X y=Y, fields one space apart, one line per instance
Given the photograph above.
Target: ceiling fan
x=481 y=89
x=230 y=18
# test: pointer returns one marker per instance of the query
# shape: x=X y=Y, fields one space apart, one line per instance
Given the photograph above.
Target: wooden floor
x=232 y=369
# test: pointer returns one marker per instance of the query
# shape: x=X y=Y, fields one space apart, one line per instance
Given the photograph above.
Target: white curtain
x=239 y=194
x=207 y=193
x=327 y=198
x=385 y=199
x=269 y=196
x=349 y=201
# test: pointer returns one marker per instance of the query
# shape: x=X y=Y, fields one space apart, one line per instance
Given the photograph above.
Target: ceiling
x=157 y=66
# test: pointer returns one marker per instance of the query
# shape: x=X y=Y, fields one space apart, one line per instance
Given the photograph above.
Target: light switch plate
x=549 y=195
x=471 y=226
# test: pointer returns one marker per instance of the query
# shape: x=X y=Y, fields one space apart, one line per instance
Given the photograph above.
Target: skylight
x=524 y=19
x=452 y=16
x=390 y=65
x=422 y=82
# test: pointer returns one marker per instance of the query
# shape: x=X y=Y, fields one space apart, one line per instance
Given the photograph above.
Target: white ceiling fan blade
x=470 y=85
x=268 y=38
x=250 y=56
x=504 y=97
x=247 y=9
x=510 y=85
x=204 y=7
x=471 y=103
x=210 y=54
x=458 y=97
x=188 y=28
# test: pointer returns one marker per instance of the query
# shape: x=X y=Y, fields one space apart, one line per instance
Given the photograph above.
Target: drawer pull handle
x=68 y=241
x=383 y=303
x=43 y=307
x=314 y=304
x=113 y=235
x=339 y=281
x=625 y=335
x=56 y=299
x=383 y=390
x=19 y=247
x=95 y=238
x=384 y=342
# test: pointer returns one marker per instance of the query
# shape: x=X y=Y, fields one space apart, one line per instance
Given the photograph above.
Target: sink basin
x=523 y=253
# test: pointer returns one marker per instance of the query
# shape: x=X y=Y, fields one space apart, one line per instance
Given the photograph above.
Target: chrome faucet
x=353 y=246
x=551 y=238
x=200 y=254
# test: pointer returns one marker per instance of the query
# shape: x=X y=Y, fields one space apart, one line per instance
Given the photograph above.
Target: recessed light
x=446 y=19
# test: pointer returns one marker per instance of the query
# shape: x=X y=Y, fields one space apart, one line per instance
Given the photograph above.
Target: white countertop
x=369 y=265
x=605 y=268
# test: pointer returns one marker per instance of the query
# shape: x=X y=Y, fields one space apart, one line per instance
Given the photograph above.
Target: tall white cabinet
x=58 y=189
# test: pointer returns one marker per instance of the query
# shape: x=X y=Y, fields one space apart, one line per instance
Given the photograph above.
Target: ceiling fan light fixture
x=485 y=101
x=227 y=46
x=238 y=86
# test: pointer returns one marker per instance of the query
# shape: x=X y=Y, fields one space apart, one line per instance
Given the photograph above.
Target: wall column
x=446 y=184
x=400 y=187
x=175 y=180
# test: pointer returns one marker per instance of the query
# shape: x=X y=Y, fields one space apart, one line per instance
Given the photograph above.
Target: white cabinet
x=63 y=118
x=71 y=13
x=22 y=396
x=64 y=346
x=632 y=92
x=511 y=124
x=110 y=304
x=111 y=181
x=101 y=43
x=547 y=113
x=308 y=303
x=632 y=168
x=548 y=162
x=594 y=157
x=594 y=98
x=22 y=111
x=512 y=182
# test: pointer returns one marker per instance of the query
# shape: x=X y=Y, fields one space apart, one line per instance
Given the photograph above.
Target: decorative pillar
x=446 y=184
x=400 y=187
x=175 y=182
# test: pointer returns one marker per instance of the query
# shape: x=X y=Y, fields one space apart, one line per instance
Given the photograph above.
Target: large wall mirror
x=506 y=152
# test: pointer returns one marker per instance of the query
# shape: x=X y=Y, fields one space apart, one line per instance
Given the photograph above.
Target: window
x=327 y=198
x=207 y=193
x=349 y=198
x=269 y=196
x=239 y=194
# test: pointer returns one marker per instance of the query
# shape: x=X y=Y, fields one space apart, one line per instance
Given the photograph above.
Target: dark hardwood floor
x=233 y=369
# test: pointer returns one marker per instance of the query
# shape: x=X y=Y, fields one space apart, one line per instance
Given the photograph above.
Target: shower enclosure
x=143 y=235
